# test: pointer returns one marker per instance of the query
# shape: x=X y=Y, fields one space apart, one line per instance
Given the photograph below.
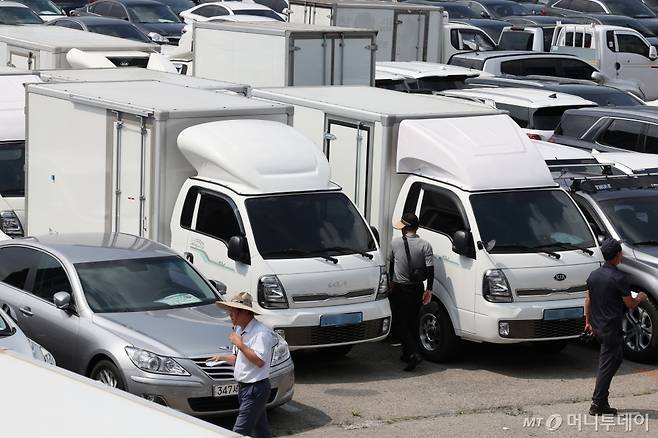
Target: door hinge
x=372 y=47
x=295 y=48
x=329 y=136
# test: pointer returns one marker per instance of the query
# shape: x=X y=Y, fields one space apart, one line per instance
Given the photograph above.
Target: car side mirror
x=62 y=300
x=653 y=53
x=219 y=286
x=375 y=233
x=238 y=250
x=485 y=14
x=461 y=244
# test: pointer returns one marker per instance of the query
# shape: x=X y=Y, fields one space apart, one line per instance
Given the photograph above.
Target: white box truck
x=512 y=250
x=275 y=54
x=42 y=47
x=249 y=202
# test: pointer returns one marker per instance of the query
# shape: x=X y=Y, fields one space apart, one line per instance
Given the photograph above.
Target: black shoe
x=414 y=360
x=602 y=409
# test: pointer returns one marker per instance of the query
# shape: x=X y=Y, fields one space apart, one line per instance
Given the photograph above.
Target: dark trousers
x=252 y=417
x=406 y=301
x=610 y=358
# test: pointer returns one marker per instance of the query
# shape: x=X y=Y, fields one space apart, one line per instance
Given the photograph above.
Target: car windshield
x=42 y=7
x=502 y=10
x=138 y=285
x=630 y=8
x=179 y=6
x=5 y=329
x=634 y=218
x=530 y=221
x=259 y=13
x=121 y=29
x=547 y=118
x=12 y=163
x=152 y=14
x=459 y=11
x=18 y=15
x=307 y=225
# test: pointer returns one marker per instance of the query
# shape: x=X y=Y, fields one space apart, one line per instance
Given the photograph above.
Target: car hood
x=179 y=332
x=647 y=254
x=164 y=29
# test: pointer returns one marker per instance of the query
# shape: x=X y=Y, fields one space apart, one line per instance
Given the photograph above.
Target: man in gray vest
x=411 y=263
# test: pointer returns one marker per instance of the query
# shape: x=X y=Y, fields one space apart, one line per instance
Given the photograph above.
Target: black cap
x=610 y=248
x=409 y=220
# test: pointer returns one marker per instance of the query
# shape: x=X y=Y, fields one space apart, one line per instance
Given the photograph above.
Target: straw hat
x=241 y=300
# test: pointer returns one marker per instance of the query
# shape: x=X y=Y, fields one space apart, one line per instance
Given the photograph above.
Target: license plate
x=558 y=314
x=225 y=390
x=341 y=319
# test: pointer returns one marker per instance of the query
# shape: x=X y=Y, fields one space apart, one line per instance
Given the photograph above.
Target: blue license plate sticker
x=341 y=319
x=559 y=314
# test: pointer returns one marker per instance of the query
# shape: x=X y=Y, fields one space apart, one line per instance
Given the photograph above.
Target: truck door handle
x=26 y=311
x=617 y=66
x=189 y=257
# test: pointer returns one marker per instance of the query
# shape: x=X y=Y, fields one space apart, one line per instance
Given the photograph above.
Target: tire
x=336 y=352
x=108 y=374
x=436 y=335
x=640 y=327
x=551 y=347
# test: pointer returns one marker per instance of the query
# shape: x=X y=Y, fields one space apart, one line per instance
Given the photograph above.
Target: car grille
x=216 y=404
x=541 y=329
x=333 y=335
x=220 y=372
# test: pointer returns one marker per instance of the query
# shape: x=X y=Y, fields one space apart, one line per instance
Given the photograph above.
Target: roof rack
x=616 y=182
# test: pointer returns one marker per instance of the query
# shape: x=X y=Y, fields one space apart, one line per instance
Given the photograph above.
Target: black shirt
x=607 y=288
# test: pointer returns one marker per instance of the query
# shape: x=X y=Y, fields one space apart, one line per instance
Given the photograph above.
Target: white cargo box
x=406 y=32
x=104 y=157
x=41 y=47
x=280 y=54
x=138 y=74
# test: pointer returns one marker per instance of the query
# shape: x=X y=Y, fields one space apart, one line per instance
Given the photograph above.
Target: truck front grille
x=316 y=335
x=220 y=372
x=541 y=329
x=308 y=298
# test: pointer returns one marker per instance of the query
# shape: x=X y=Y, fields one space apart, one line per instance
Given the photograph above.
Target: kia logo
x=560 y=277
x=337 y=284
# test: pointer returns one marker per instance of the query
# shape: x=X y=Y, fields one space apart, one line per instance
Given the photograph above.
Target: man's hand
x=217 y=358
x=588 y=328
x=236 y=340
x=427 y=296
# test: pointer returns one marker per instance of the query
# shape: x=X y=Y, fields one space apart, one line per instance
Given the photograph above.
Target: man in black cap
x=608 y=297
x=411 y=263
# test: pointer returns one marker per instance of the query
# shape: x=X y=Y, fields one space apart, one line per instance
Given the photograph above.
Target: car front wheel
x=639 y=325
x=108 y=374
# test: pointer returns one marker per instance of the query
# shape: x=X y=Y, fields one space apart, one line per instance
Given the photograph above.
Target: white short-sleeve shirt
x=260 y=339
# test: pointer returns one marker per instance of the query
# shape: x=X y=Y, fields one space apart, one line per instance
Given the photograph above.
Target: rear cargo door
x=347 y=146
x=353 y=61
x=131 y=183
x=310 y=62
x=410 y=36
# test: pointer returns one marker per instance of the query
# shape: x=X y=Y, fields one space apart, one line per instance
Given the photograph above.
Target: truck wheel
x=108 y=374
x=550 y=347
x=640 y=340
x=437 y=339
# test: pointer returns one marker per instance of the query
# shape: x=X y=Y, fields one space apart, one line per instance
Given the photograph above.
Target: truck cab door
x=410 y=36
x=633 y=62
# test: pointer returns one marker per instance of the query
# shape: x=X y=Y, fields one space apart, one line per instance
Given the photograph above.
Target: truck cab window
x=49 y=278
x=217 y=218
x=188 y=207
x=624 y=134
x=440 y=213
x=632 y=44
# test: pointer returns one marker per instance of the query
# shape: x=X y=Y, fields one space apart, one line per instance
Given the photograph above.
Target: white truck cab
x=523 y=38
x=618 y=52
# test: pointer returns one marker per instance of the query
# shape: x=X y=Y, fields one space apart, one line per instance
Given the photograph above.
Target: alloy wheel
x=429 y=332
x=638 y=329
x=106 y=377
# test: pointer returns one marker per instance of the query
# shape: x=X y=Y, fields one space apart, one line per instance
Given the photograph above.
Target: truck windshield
x=138 y=285
x=307 y=225
x=530 y=221
x=12 y=163
x=634 y=218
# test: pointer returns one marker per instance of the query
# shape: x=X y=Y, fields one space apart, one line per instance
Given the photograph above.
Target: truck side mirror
x=62 y=300
x=238 y=250
x=375 y=233
x=219 y=286
x=653 y=53
x=461 y=244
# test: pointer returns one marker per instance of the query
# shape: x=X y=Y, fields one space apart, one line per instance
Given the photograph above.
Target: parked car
x=615 y=20
x=132 y=314
x=103 y=25
x=153 y=18
x=537 y=112
x=221 y=10
x=13 y=338
x=602 y=95
x=497 y=9
x=421 y=76
x=610 y=129
x=45 y=9
x=17 y=13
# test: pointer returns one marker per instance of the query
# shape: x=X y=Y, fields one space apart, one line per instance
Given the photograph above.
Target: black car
x=610 y=129
x=652 y=4
x=154 y=19
x=617 y=20
x=602 y=95
x=16 y=13
x=103 y=25
x=497 y=9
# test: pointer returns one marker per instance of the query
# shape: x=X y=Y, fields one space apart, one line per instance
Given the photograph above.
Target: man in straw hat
x=251 y=358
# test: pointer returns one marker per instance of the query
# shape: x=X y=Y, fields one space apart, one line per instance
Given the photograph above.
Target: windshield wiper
x=645 y=242
x=530 y=249
x=352 y=250
x=299 y=252
x=566 y=245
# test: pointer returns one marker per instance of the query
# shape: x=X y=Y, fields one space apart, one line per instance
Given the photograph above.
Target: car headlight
x=495 y=287
x=382 y=288
x=10 y=224
x=40 y=353
x=157 y=38
x=154 y=363
x=281 y=352
x=271 y=294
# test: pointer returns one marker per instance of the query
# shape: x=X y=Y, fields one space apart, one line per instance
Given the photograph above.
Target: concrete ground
x=490 y=391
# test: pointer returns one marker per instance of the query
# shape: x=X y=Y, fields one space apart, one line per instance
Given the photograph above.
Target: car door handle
x=617 y=66
x=26 y=311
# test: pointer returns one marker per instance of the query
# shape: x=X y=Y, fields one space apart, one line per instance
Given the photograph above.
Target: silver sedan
x=130 y=313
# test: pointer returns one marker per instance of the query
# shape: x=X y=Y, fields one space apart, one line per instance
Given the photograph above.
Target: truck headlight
x=10 y=224
x=40 y=353
x=280 y=353
x=495 y=287
x=157 y=38
x=382 y=288
x=271 y=294
x=154 y=363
